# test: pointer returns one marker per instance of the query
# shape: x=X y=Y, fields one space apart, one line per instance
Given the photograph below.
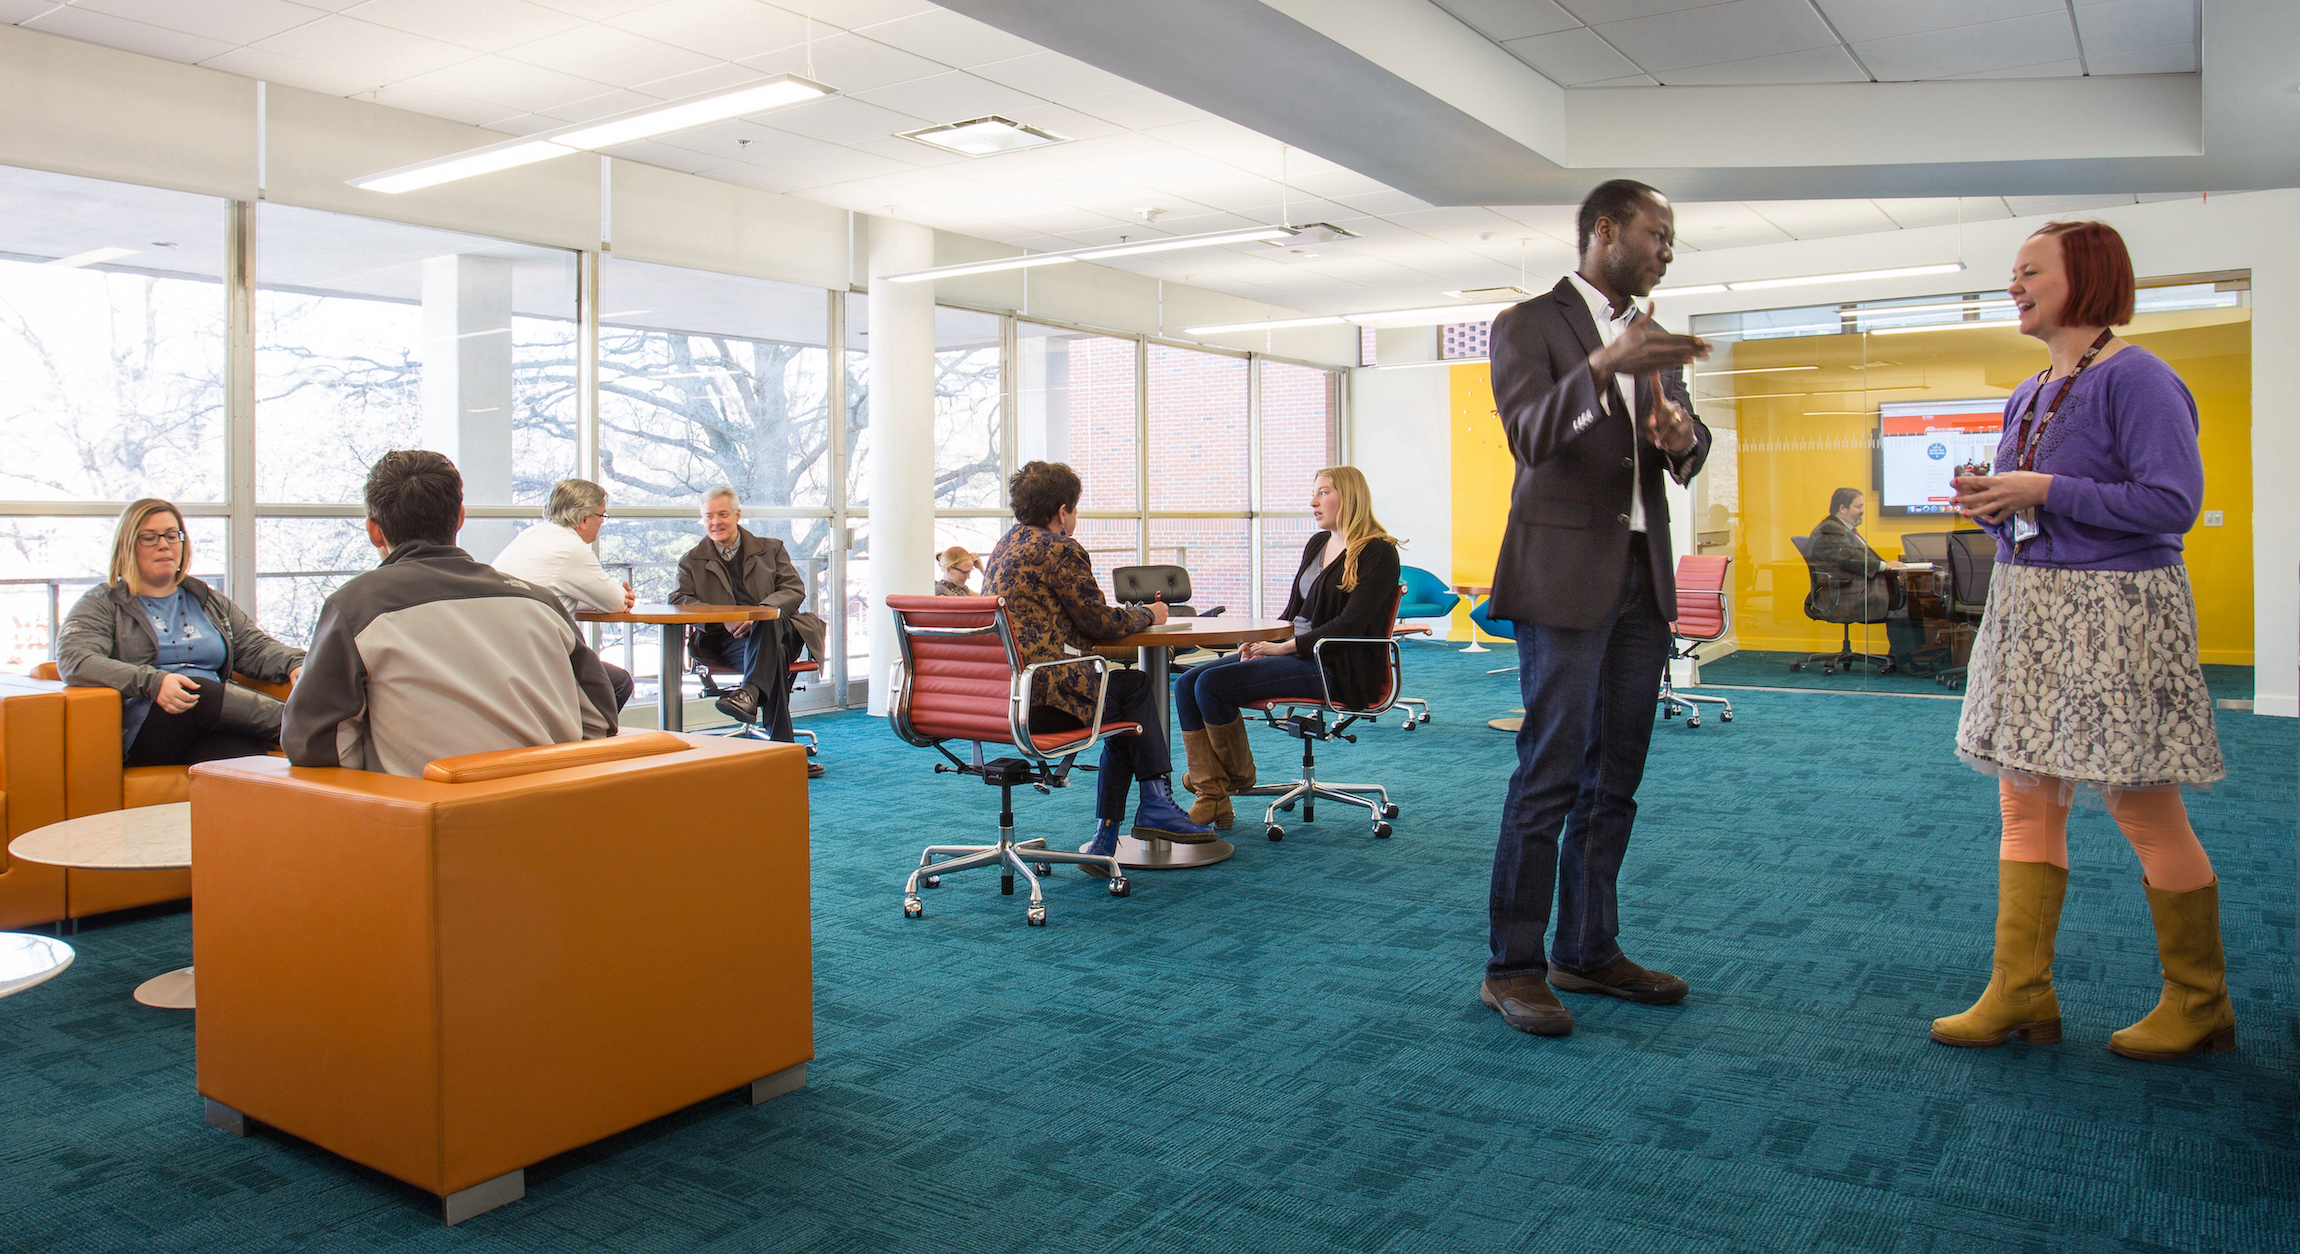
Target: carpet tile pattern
x=1285 y=1052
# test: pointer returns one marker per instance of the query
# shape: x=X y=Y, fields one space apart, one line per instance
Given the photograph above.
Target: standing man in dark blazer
x=1591 y=398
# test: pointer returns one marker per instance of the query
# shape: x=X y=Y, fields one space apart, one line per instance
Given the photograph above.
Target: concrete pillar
x=467 y=384
x=1043 y=393
x=901 y=477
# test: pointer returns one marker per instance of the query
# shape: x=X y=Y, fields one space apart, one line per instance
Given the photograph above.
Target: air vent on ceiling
x=984 y=137
x=1312 y=233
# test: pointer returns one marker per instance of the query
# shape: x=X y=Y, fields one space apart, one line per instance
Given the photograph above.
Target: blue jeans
x=764 y=655
x=1589 y=697
x=1125 y=759
x=1212 y=693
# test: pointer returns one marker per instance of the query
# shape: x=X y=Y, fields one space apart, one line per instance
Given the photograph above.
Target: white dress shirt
x=554 y=558
x=1609 y=329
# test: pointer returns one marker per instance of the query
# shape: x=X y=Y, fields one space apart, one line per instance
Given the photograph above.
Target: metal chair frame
x=707 y=671
x=1311 y=728
x=1039 y=769
x=1682 y=648
x=1846 y=657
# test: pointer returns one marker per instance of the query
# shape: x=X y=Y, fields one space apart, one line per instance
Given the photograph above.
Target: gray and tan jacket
x=433 y=655
x=107 y=642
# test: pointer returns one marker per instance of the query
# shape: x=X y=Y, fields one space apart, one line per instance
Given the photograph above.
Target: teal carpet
x=1751 y=668
x=1285 y=1052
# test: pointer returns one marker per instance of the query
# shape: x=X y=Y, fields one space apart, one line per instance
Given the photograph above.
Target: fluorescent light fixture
x=1432 y=316
x=1705 y=374
x=92 y=257
x=1690 y=289
x=1945 y=326
x=1440 y=361
x=983 y=137
x=1268 y=324
x=1901 y=272
x=662 y=119
x=1242 y=235
x=1509 y=292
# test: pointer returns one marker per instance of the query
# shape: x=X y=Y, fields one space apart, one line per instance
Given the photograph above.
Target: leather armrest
x=503 y=763
x=277 y=692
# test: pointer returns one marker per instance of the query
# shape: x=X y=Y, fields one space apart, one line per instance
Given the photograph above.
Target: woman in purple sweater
x=2084 y=676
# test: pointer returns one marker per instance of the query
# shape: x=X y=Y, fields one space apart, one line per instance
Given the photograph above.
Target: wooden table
x=1156 y=646
x=26 y=960
x=1473 y=591
x=670 y=700
x=146 y=838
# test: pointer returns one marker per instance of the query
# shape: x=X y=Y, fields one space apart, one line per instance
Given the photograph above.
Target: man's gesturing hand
x=1668 y=425
x=1643 y=347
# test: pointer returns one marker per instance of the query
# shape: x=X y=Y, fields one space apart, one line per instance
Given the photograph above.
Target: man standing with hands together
x=1591 y=399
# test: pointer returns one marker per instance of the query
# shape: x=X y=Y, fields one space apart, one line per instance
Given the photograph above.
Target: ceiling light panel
x=984 y=136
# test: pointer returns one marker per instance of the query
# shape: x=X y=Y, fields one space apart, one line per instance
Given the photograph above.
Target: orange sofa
x=31 y=795
x=451 y=978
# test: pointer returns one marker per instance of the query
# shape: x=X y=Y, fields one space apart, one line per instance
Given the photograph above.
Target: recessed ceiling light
x=1313 y=233
x=984 y=137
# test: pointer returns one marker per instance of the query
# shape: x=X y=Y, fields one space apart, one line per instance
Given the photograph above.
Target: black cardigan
x=1356 y=671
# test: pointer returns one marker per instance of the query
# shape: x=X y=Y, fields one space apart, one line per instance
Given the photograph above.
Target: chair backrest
x=1972 y=559
x=1422 y=586
x=1140 y=585
x=1925 y=546
x=1482 y=615
x=959 y=668
x=1391 y=677
x=1804 y=546
x=1701 y=612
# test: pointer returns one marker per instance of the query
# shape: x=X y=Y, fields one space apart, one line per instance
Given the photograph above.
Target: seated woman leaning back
x=1345 y=587
x=168 y=644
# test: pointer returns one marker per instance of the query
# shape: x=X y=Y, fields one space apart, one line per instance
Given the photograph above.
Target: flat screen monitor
x=1920 y=444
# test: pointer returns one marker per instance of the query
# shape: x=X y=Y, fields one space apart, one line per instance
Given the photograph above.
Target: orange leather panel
x=449 y=981
x=504 y=763
x=95 y=892
x=277 y=692
x=154 y=786
x=32 y=783
x=91 y=751
x=47 y=670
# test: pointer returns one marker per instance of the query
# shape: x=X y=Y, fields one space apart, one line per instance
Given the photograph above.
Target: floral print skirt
x=2089 y=677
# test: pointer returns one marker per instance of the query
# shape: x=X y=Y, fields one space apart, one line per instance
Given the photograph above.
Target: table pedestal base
x=172 y=991
x=1511 y=725
x=1167 y=855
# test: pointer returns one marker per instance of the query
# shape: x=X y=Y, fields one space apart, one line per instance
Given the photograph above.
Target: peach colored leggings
x=2036 y=830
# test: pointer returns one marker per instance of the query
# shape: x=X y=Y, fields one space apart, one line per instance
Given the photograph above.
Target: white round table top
x=144 y=838
x=26 y=960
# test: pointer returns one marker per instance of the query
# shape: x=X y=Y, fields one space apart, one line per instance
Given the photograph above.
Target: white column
x=901 y=433
x=467 y=384
x=1043 y=396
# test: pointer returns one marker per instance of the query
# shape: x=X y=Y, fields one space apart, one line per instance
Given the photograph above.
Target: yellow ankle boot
x=1206 y=777
x=2019 y=999
x=2194 y=1012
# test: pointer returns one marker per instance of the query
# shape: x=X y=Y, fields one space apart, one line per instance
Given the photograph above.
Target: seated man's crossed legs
x=764 y=656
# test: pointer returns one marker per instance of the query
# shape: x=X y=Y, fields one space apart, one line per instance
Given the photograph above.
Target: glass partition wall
x=527 y=365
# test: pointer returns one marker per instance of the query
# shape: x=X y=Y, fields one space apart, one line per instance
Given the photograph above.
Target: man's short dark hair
x=1039 y=490
x=415 y=494
x=1841 y=498
x=1615 y=200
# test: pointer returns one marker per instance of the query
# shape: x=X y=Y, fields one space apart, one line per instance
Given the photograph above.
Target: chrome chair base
x=1009 y=857
x=1307 y=790
x=1674 y=703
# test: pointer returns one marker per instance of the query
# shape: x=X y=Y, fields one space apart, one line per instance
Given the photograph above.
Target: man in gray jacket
x=433 y=655
x=733 y=567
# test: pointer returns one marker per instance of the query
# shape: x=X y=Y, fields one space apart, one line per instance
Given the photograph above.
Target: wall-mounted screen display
x=1920 y=445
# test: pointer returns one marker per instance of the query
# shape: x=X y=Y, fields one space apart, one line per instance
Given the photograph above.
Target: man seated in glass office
x=1860 y=587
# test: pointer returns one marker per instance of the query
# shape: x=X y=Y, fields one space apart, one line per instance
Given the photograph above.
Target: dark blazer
x=1568 y=534
x=1850 y=583
x=1356 y=671
x=769 y=578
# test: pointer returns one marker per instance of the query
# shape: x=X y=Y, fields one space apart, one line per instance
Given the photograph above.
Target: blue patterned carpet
x=1285 y=1052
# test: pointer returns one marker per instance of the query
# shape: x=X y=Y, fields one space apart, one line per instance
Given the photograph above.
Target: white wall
x=1398 y=436
x=2248 y=231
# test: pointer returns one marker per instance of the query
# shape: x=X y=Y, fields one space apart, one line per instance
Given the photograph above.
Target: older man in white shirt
x=556 y=555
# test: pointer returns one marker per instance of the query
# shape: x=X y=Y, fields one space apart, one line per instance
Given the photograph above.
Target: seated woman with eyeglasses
x=169 y=644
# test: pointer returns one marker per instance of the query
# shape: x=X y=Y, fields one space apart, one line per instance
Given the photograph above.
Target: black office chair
x=1833 y=597
x=1140 y=585
x=1972 y=560
x=1930 y=548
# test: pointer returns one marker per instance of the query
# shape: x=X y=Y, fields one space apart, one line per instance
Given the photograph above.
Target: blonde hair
x=1355 y=524
x=124 y=538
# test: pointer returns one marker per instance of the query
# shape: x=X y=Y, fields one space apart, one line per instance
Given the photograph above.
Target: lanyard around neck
x=2026 y=445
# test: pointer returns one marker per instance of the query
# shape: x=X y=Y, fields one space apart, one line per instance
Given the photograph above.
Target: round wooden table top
x=1224 y=630
x=145 y=838
x=658 y=612
x=1473 y=589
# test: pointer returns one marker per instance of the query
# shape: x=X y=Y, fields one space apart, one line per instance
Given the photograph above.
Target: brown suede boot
x=1205 y=776
x=2019 y=1000
x=1234 y=752
x=2193 y=1013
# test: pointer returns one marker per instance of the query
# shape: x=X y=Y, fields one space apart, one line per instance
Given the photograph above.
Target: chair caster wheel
x=931 y=881
x=1692 y=722
x=1288 y=807
x=1037 y=916
x=1726 y=717
x=1006 y=885
x=1275 y=832
x=1389 y=811
x=1043 y=869
x=1120 y=888
x=1409 y=725
x=1796 y=666
x=912 y=908
x=1666 y=715
x=1381 y=831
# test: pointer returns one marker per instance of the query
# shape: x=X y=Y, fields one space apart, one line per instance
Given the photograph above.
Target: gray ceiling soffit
x=1249 y=63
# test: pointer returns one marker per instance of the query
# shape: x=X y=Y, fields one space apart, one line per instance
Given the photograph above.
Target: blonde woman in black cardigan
x=1345 y=587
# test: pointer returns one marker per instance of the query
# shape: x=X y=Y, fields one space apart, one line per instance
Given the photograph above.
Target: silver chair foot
x=485 y=1196
x=226 y=1118
x=769 y=1087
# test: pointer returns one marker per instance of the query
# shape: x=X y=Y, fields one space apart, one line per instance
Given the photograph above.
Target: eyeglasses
x=154 y=539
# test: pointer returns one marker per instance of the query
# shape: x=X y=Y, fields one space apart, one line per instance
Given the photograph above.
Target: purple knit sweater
x=2127 y=477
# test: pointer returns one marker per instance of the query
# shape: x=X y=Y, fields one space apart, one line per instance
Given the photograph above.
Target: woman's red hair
x=2099 y=273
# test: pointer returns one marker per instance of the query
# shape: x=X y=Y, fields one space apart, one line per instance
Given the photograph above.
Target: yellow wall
x=1482 y=474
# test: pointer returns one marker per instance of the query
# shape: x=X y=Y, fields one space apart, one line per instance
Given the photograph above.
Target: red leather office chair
x=960 y=679
x=709 y=667
x=1287 y=714
x=1704 y=616
x=1417 y=709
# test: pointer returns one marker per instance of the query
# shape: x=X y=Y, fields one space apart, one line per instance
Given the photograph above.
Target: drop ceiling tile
x=1337 y=183
x=952 y=96
x=717 y=76
x=1822 y=219
x=1500 y=20
x=1067 y=122
x=1384 y=202
x=1224 y=140
x=762 y=178
x=1725 y=224
x=439 y=104
x=856 y=14
x=485 y=25
x=842 y=165
x=376 y=53
x=17 y=12
x=526 y=124
x=767 y=145
x=2132 y=25
x=851 y=63
x=604 y=104
x=1859 y=20
x=1813 y=65
x=1555 y=221
x=1052 y=76
x=128 y=36
x=1457 y=223
x=595 y=10
x=950 y=38
x=1200 y=223
x=2069 y=68
x=2039 y=37
x=655 y=153
x=839 y=120
x=910 y=151
x=1137 y=108
x=2157 y=198
x=1572 y=57
x=888 y=194
x=233 y=22
x=608 y=55
x=1911 y=212
x=533 y=88
x=273 y=68
x=1735 y=31
x=1027 y=168
x=1595 y=12
x=1626 y=80
x=724 y=29
x=2168 y=59
x=2046 y=206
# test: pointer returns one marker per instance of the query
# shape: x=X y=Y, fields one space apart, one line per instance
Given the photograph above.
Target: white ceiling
x=521 y=66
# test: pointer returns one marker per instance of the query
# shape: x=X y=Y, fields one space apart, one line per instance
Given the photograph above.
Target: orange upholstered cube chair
x=31 y=795
x=453 y=977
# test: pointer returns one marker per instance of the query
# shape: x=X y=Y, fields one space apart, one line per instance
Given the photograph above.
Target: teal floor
x=1752 y=668
x=1285 y=1052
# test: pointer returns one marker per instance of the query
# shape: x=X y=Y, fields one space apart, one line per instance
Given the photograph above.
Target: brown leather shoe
x=1527 y=1004
x=1623 y=979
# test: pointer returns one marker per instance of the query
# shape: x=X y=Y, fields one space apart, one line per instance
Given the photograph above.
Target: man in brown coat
x=733 y=567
